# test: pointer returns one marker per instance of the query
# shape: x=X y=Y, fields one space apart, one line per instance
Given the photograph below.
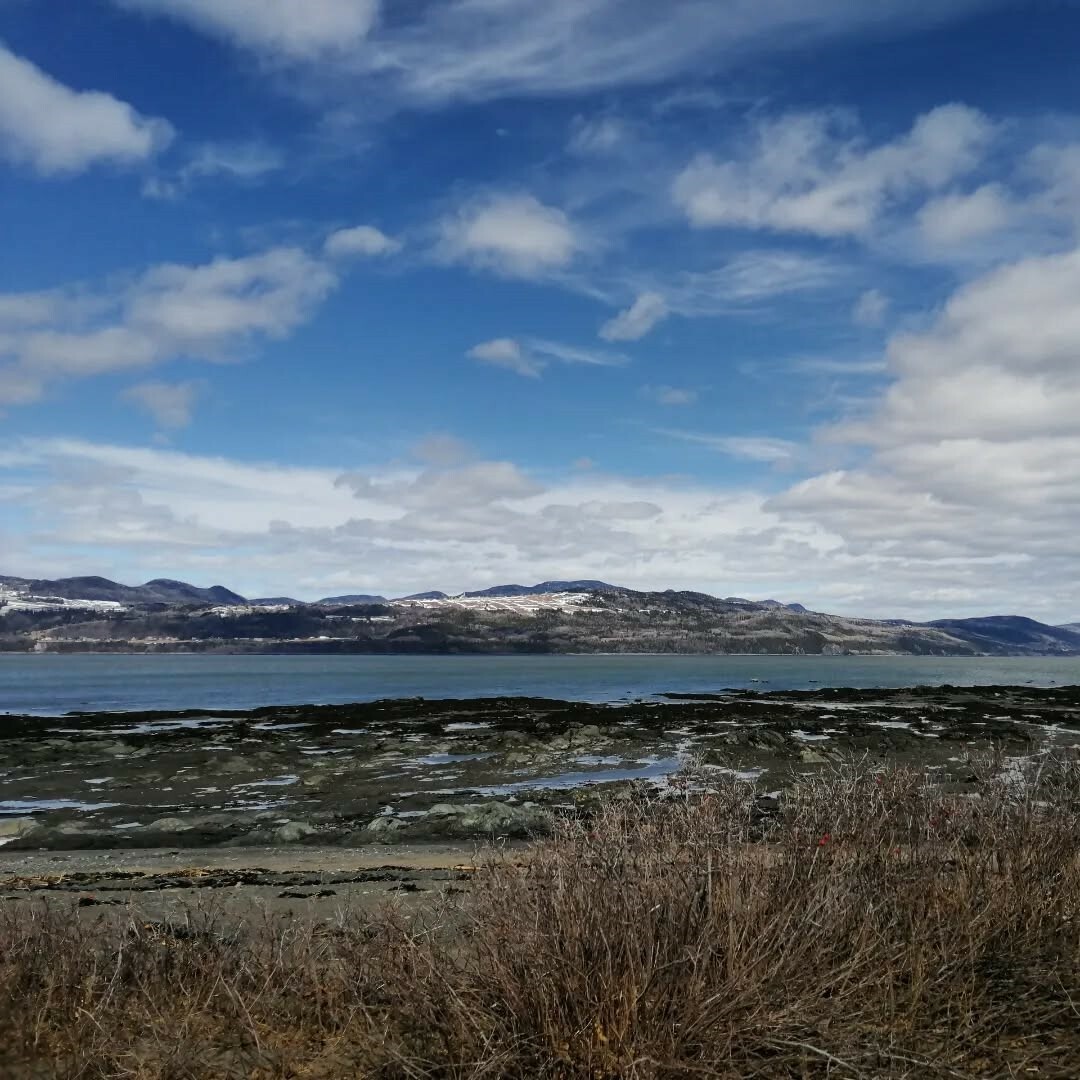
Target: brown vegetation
x=873 y=926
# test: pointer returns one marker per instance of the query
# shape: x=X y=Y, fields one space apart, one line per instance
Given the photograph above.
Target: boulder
x=17 y=829
x=292 y=832
x=461 y=821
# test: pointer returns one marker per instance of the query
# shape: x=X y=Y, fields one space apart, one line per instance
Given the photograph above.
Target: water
x=48 y=684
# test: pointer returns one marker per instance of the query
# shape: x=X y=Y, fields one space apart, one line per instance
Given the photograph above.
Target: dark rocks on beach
x=405 y=770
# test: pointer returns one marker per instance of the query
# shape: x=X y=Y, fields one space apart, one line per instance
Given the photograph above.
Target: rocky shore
x=415 y=770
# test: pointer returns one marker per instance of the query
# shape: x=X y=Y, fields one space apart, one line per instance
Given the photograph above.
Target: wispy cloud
x=170 y=404
x=647 y=311
x=531 y=356
x=748 y=447
x=308 y=31
x=670 y=395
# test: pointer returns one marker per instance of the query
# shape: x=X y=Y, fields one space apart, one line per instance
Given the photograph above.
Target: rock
x=519 y=757
x=768 y=740
x=12 y=829
x=233 y=766
x=459 y=821
x=170 y=824
x=380 y=828
x=194 y=829
x=810 y=756
x=586 y=736
x=293 y=832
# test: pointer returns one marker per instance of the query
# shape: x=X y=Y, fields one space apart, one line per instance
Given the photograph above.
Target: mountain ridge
x=580 y=615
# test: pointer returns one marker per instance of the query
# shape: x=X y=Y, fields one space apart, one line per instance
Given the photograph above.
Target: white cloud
x=573 y=354
x=206 y=312
x=263 y=528
x=751 y=278
x=290 y=29
x=511 y=234
x=956 y=219
x=442 y=449
x=760 y=448
x=870 y=308
x=597 y=136
x=507 y=353
x=364 y=240
x=531 y=357
x=170 y=404
x=931 y=527
x=649 y=309
x=669 y=395
x=239 y=162
x=972 y=446
x=811 y=173
x=475 y=50
x=57 y=130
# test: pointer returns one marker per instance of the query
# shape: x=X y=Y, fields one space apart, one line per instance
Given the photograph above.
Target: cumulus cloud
x=172 y=310
x=647 y=310
x=813 y=173
x=362 y=240
x=511 y=234
x=170 y=404
x=281 y=28
x=958 y=218
x=57 y=130
x=972 y=445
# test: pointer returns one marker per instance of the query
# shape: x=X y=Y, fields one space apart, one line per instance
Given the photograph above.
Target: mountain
x=545 y=587
x=435 y=595
x=350 y=598
x=1013 y=631
x=158 y=591
x=165 y=615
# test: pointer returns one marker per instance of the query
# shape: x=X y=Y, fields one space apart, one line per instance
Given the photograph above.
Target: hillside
x=79 y=614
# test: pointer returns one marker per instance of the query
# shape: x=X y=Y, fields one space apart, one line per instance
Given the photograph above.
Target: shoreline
x=405 y=770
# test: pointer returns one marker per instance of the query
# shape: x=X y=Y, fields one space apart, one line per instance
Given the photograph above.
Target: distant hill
x=1013 y=631
x=615 y=620
x=158 y=591
x=350 y=598
x=546 y=587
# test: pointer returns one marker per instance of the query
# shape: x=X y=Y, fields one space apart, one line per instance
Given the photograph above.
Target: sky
x=768 y=298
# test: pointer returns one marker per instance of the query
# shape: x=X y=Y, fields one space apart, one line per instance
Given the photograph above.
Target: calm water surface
x=50 y=684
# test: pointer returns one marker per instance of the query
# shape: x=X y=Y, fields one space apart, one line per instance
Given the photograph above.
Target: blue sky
x=769 y=299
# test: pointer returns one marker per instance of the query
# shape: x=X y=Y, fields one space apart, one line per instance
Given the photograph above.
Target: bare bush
x=874 y=925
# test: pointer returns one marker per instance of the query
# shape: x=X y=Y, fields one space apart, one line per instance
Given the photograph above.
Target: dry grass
x=875 y=926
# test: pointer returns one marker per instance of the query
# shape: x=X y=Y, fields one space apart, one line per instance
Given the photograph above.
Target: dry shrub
x=875 y=925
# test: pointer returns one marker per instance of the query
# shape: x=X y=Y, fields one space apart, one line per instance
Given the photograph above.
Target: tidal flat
x=414 y=770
